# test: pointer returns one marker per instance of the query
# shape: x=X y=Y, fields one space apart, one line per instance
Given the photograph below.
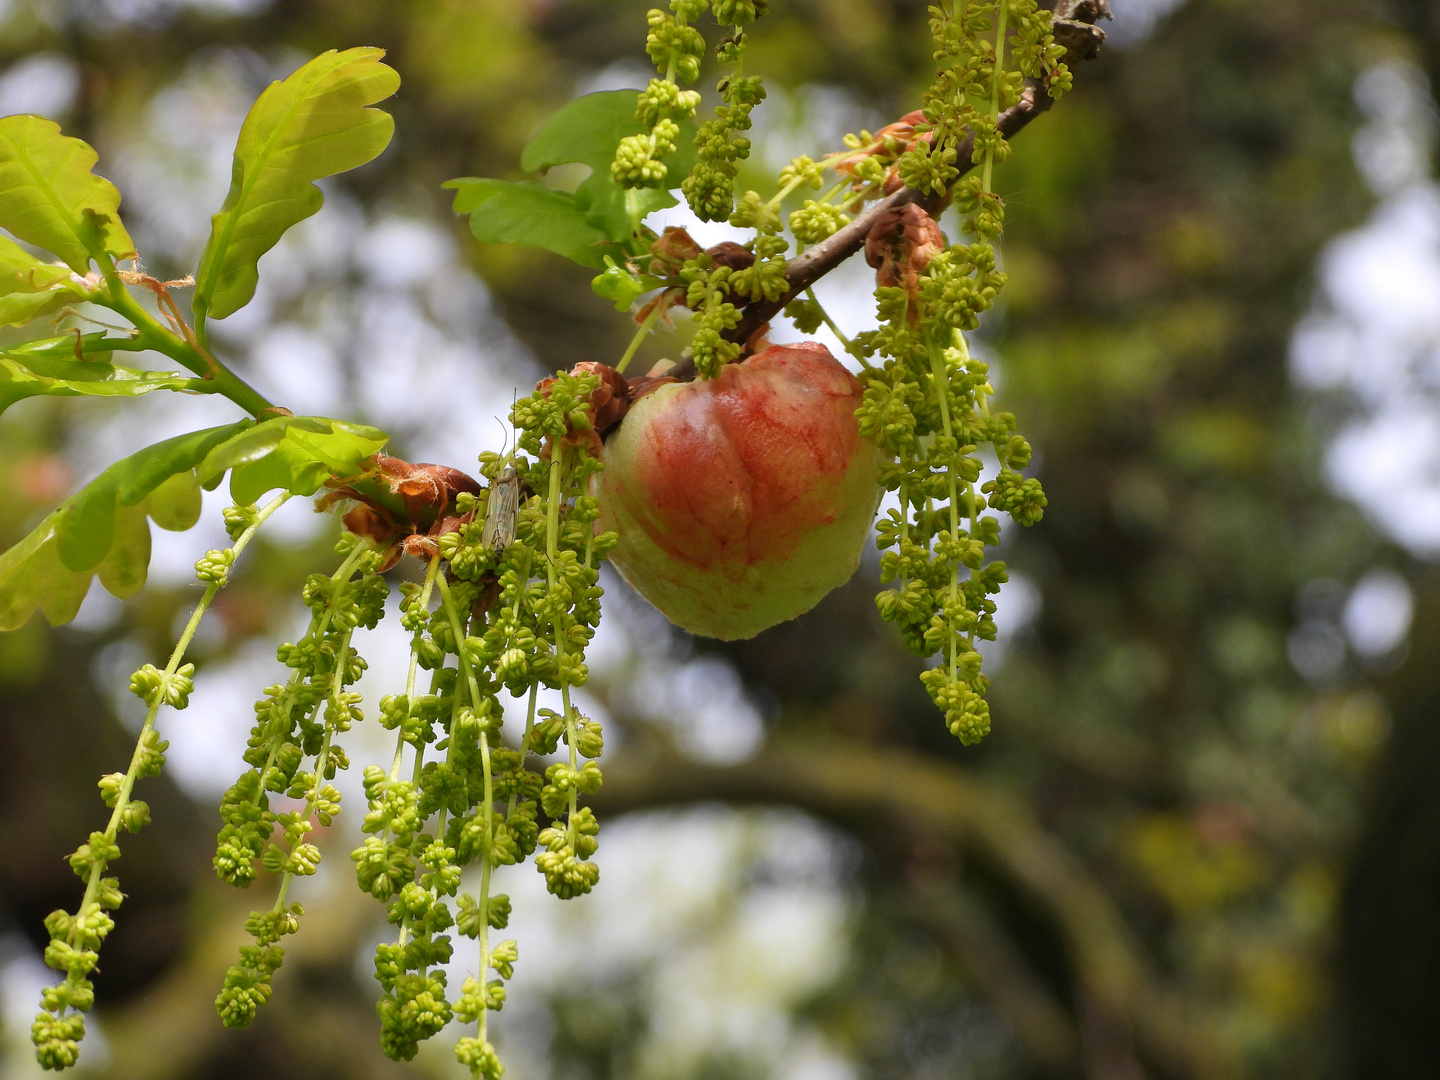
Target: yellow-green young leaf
x=175 y=504
x=30 y=288
x=311 y=125
x=85 y=529
x=50 y=198
x=23 y=377
x=102 y=530
x=32 y=574
x=21 y=272
x=297 y=453
x=17 y=309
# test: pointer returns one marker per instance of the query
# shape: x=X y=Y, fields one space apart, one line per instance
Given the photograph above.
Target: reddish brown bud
x=608 y=402
x=670 y=249
x=400 y=504
x=901 y=243
x=728 y=253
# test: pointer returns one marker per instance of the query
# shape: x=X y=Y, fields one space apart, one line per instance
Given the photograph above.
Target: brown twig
x=1074 y=28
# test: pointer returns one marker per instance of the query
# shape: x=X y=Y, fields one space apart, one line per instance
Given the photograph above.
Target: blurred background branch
x=1204 y=837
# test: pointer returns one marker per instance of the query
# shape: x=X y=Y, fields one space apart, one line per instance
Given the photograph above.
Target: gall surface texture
x=742 y=500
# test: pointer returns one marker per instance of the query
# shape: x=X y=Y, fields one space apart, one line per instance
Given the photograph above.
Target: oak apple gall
x=741 y=501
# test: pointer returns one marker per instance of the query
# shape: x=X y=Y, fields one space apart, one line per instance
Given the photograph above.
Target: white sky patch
x=1136 y=20
x=1378 y=612
x=42 y=83
x=1372 y=337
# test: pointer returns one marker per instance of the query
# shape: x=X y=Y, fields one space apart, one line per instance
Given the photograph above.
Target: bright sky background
x=678 y=902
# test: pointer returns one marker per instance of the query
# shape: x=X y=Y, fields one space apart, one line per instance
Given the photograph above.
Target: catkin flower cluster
x=928 y=403
x=509 y=601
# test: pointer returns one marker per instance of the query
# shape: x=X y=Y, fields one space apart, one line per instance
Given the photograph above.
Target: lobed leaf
x=17 y=309
x=50 y=198
x=22 y=377
x=311 y=125
x=310 y=451
x=587 y=130
x=86 y=527
x=101 y=530
x=296 y=453
x=524 y=212
x=33 y=575
x=30 y=288
x=591 y=223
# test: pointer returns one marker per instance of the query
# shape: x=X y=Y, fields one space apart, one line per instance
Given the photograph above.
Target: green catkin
x=477 y=805
x=928 y=405
x=720 y=144
x=676 y=48
x=286 y=734
x=75 y=940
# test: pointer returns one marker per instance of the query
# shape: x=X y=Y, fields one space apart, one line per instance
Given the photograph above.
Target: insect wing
x=500 y=510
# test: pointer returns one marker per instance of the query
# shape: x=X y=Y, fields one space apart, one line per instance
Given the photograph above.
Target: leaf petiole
x=150 y=333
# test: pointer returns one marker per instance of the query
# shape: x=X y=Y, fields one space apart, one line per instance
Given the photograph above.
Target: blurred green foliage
x=1141 y=872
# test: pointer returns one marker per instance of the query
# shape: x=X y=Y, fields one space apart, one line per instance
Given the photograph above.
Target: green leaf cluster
x=58 y=367
x=30 y=288
x=599 y=218
x=102 y=530
x=311 y=125
x=50 y=198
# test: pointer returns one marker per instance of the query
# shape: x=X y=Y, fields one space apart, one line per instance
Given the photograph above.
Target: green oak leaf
x=313 y=124
x=587 y=130
x=38 y=375
x=102 y=529
x=50 y=198
x=30 y=288
x=596 y=219
x=296 y=453
x=33 y=574
x=622 y=287
x=69 y=346
x=17 y=309
x=21 y=272
x=524 y=212
x=87 y=520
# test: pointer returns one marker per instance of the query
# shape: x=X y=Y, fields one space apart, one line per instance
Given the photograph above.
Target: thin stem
x=552 y=512
x=318 y=625
x=845 y=341
x=177 y=655
x=995 y=87
x=484 y=936
x=942 y=391
x=424 y=603
x=641 y=334
x=779 y=196
x=552 y=530
x=156 y=336
x=841 y=186
x=489 y=796
x=983 y=400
